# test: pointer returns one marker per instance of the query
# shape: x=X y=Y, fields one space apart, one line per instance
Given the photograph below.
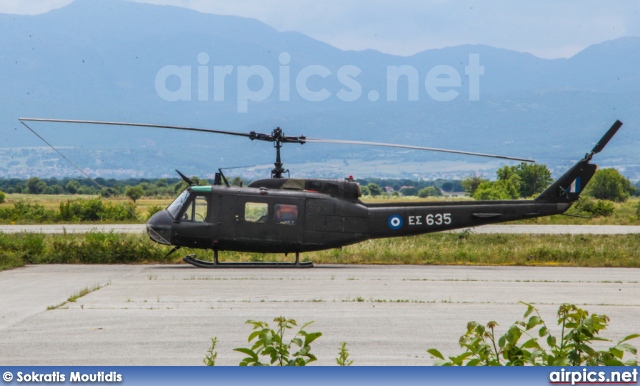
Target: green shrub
x=429 y=191
x=153 y=210
x=609 y=184
x=270 y=343
x=2 y=197
x=96 y=210
x=27 y=212
x=120 y=211
x=10 y=260
x=571 y=348
x=594 y=208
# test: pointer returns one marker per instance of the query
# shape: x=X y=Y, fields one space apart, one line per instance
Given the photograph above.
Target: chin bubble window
x=286 y=214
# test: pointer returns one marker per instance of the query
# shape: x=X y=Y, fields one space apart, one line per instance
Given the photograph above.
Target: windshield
x=176 y=205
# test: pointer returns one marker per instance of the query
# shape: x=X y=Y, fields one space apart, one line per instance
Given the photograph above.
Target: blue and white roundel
x=395 y=222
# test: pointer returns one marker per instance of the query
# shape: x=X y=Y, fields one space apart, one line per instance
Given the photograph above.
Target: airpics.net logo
x=588 y=376
x=209 y=81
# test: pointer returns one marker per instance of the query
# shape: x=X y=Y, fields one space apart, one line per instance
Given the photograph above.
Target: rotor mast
x=278 y=171
x=278 y=138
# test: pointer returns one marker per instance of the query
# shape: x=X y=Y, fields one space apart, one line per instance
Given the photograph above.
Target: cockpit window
x=176 y=205
x=196 y=211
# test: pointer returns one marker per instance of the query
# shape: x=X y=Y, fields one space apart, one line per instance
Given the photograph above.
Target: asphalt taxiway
x=389 y=315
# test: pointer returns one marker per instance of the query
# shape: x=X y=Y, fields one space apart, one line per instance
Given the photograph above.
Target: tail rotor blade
x=607 y=137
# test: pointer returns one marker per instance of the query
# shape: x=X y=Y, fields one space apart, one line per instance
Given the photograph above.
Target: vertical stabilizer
x=567 y=188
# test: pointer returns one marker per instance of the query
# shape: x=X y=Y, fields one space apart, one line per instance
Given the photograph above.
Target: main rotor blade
x=607 y=137
x=415 y=148
x=137 y=125
x=272 y=138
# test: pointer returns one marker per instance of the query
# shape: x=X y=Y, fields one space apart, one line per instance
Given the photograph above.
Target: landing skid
x=191 y=259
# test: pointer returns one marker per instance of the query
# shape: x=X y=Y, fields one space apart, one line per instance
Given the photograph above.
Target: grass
x=493 y=249
x=430 y=249
x=76 y=295
x=83 y=292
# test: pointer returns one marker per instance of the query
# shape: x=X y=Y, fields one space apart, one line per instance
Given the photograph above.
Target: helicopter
x=293 y=215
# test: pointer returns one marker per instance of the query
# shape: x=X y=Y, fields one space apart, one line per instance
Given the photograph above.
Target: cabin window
x=314 y=185
x=256 y=212
x=197 y=210
x=286 y=214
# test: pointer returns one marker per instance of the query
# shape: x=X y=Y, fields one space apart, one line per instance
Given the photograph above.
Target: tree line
x=528 y=180
x=513 y=182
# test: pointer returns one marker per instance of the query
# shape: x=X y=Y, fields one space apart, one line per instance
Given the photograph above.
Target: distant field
x=625 y=213
x=52 y=202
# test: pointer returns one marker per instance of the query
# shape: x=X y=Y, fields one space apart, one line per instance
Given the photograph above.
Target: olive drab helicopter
x=293 y=215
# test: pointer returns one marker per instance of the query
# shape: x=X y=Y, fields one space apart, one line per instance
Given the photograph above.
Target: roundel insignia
x=395 y=222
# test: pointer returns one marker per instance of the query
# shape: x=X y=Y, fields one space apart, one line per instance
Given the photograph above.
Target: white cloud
x=31 y=7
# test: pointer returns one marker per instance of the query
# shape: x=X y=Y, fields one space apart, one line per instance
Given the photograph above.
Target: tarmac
x=388 y=315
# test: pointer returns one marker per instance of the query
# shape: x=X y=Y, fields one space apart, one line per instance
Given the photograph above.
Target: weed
x=572 y=348
x=83 y=292
x=343 y=356
x=212 y=354
x=270 y=343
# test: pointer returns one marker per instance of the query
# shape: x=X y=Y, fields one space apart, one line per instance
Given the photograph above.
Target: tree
x=609 y=184
x=2 y=197
x=35 y=186
x=513 y=182
x=57 y=189
x=237 y=181
x=409 y=191
x=374 y=189
x=72 y=186
x=506 y=188
x=41 y=187
x=182 y=185
x=134 y=192
x=108 y=192
x=471 y=184
x=447 y=187
x=498 y=190
x=534 y=178
x=429 y=191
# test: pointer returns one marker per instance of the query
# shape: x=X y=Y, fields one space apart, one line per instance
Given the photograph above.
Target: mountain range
x=116 y=60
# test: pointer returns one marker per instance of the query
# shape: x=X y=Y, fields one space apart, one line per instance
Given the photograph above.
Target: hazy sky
x=546 y=28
